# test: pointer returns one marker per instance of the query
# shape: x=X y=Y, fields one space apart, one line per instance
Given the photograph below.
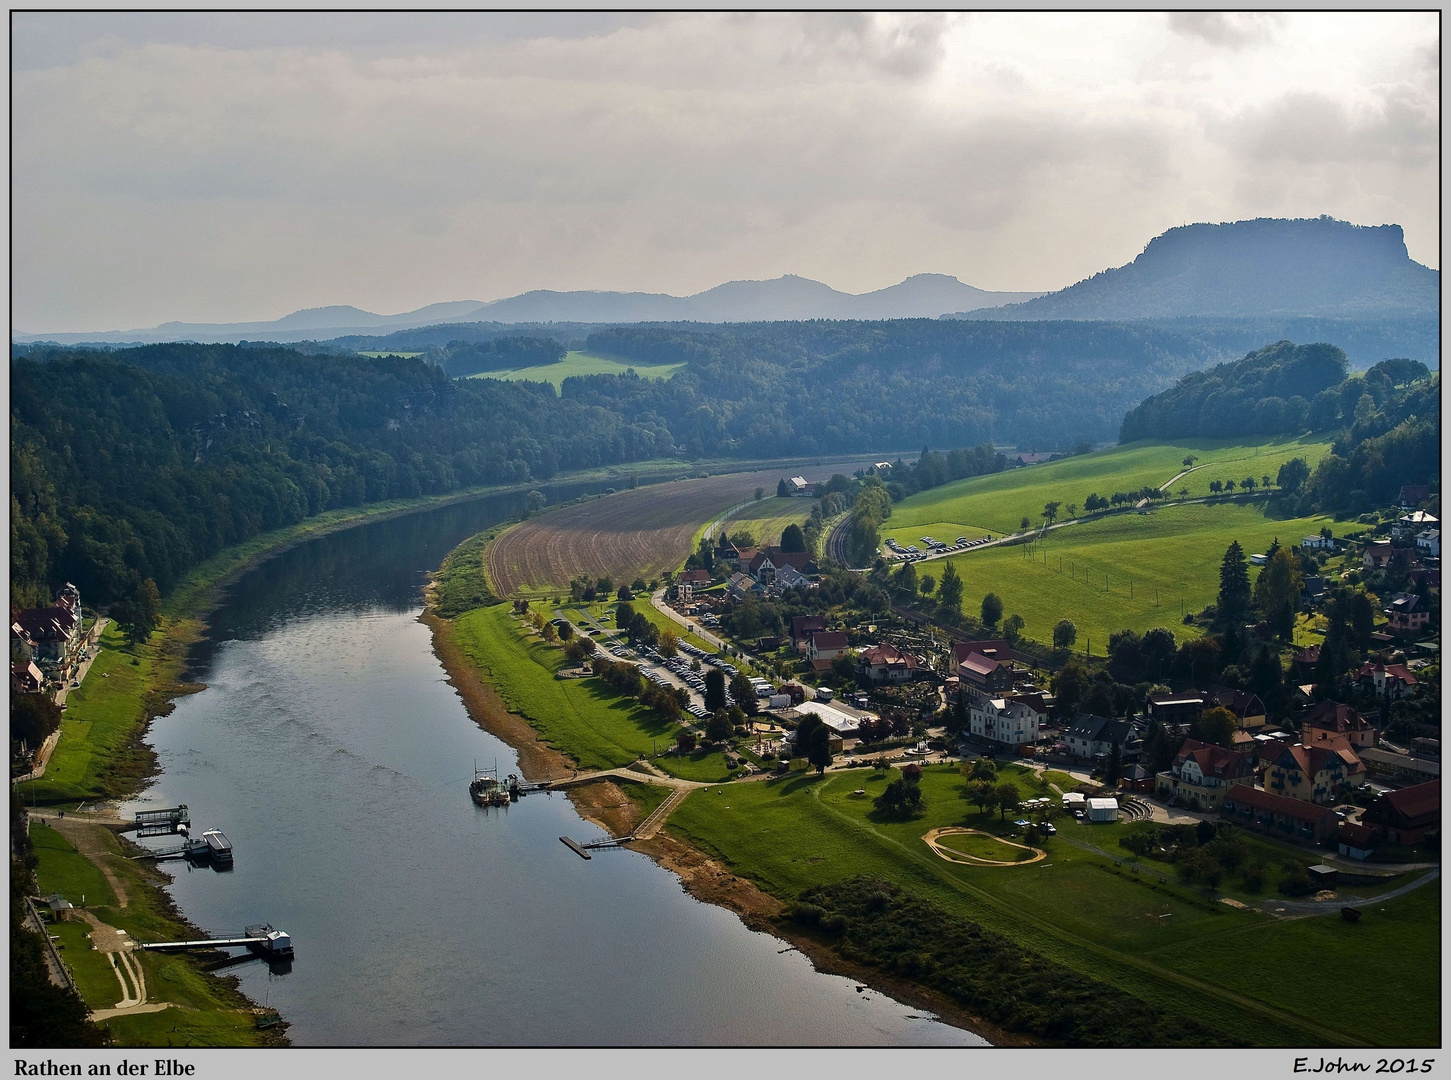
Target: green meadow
x=999 y=502
x=1239 y=971
x=206 y=1012
x=766 y=518
x=1125 y=571
x=582 y=717
x=581 y=363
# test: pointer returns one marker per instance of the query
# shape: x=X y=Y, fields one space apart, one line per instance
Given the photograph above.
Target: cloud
x=234 y=166
x=1390 y=124
x=1229 y=30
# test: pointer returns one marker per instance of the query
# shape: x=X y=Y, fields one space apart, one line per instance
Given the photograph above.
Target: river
x=331 y=751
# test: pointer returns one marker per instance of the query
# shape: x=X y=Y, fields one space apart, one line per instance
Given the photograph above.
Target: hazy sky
x=214 y=167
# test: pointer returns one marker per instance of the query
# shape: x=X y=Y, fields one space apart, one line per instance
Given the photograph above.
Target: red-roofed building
x=26 y=678
x=1408 y=815
x=1378 y=554
x=888 y=664
x=993 y=649
x=1275 y=815
x=693 y=577
x=1304 y=662
x=979 y=676
x=1313 y=773
x=802 y=627
x=1336 y=726
x=825 y=645
x=767 y=561
x=53 y=635
x=1355 y=841
x=1394 y=680
x=1202 y=774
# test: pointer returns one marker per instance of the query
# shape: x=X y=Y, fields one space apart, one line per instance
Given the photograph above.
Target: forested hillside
x=1389 y=420
x=140 y=463
x=812 y=386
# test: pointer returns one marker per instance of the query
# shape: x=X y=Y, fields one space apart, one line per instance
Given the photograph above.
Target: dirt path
x=88 y=838
x=964 y=859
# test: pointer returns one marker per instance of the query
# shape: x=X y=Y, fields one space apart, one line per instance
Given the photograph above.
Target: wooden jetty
x=583 y=850
x=260 y=938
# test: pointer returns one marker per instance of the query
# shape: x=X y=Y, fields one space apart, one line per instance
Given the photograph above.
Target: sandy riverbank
x=702 y=877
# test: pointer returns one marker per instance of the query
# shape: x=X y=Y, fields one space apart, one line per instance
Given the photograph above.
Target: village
x=889 y=686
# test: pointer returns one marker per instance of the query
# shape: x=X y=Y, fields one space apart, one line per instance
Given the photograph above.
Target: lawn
x=765 y=519
x=64 y=870
x=95 y=979
x=1131 y=571
x=1075 y=907
x=581 y=363
x=705 y=766
x=980 y=847
x=210 y=1013
x=99 y=722
x=1290 y=961
x=580 y=716
x=999 y=502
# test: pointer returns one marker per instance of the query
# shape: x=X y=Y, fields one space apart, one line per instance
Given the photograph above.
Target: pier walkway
x=641 y=773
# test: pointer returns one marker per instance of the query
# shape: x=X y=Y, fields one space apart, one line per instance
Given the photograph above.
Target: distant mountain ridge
x=1264 y=267
x=788 y=298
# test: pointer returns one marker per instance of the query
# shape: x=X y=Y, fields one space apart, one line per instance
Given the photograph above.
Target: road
x=1038 y=532
x=657 y=601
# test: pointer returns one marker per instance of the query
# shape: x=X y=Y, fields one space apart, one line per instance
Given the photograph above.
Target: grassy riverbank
x=123 y=895
x=1237 y=971
x=101 y=755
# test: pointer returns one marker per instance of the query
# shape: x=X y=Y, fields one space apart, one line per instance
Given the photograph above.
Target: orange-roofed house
x=1408 y=815
x=1393 y=680
x=1314 y=773
x=1336 y=726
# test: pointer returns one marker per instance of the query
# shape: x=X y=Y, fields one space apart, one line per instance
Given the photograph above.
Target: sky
x=213 y=167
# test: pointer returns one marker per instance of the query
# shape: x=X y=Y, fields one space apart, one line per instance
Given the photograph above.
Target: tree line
x=140 y=463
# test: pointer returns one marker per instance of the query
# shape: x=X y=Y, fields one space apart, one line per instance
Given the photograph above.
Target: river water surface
x=331 y=751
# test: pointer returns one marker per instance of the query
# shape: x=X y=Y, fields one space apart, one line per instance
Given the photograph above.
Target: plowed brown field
x=638 y=533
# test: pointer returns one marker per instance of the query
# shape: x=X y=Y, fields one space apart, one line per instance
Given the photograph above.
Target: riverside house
x=1008 y=721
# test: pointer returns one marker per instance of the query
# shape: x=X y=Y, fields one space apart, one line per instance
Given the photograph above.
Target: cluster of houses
x=760 y=572
x=1415 y=536
x=46 y=643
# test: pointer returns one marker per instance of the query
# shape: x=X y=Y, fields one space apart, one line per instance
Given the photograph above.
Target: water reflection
x=333 y=754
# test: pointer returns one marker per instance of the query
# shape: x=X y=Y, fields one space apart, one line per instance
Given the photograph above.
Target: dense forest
x=136 y=464
x=1268 y=392
x=1388 y=420
x=808 y=387
x=140 y=463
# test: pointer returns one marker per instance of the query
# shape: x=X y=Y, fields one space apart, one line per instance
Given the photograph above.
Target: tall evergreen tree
x=1234 y=587
x=949 y=589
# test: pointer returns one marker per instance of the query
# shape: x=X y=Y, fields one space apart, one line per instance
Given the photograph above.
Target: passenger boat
x=486 y=789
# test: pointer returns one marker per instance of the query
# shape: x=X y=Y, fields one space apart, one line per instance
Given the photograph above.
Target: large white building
x=1005 y=720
